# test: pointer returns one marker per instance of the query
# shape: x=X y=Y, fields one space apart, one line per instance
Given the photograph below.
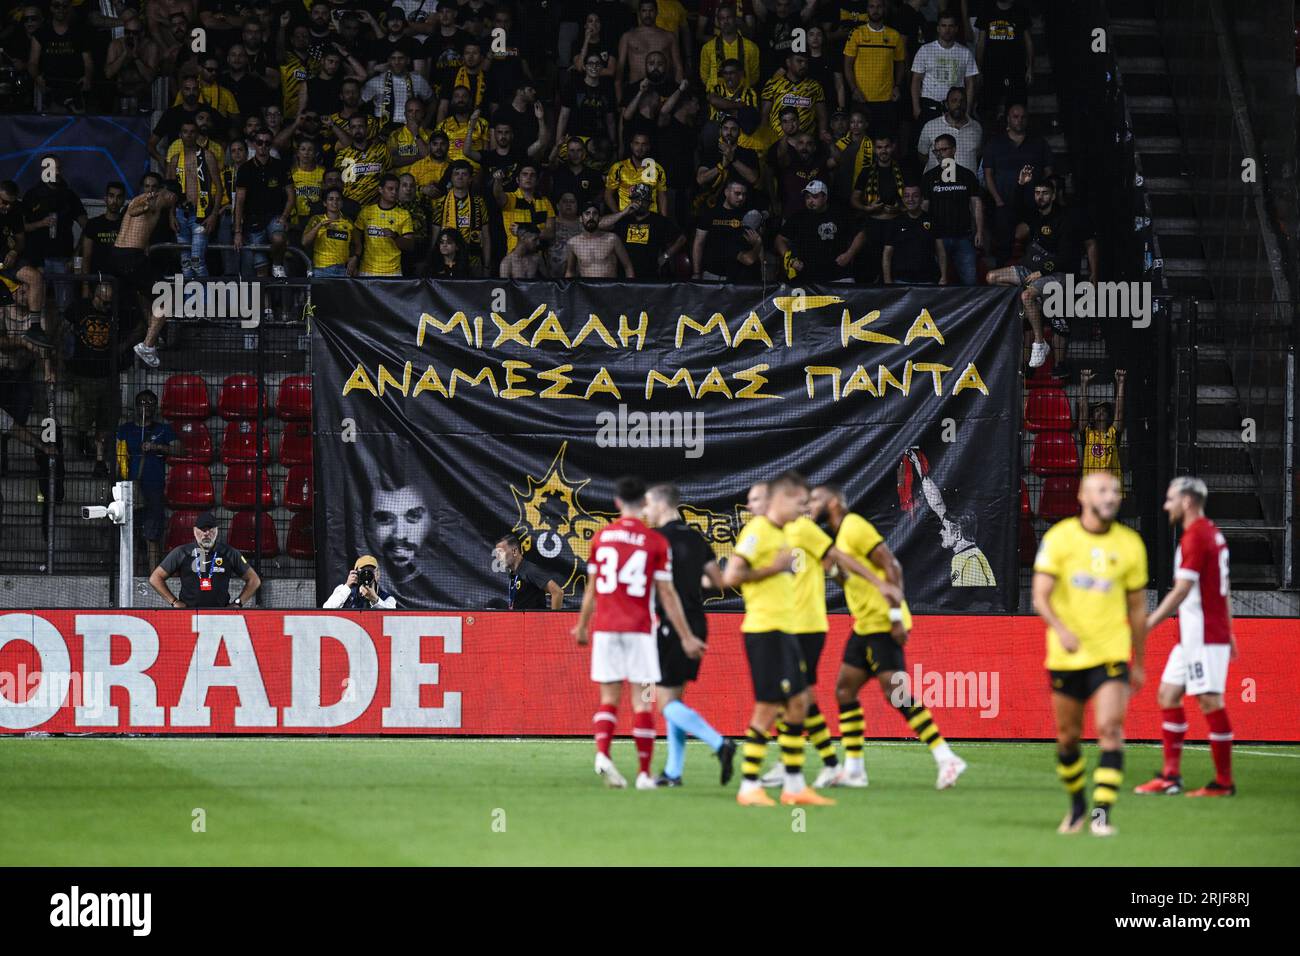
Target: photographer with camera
x=362 y=591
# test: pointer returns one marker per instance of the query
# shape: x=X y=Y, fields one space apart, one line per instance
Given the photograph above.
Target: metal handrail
x=230 y=247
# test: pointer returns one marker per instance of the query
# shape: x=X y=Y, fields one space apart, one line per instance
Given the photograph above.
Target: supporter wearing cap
x=206 y=569
x=819 y=242
x=651 y=239
x=361 y=591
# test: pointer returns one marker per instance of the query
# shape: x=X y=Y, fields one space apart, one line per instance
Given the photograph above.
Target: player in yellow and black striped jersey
x=1090 y=579
x=881 y=622
x=814 y=553
x=761 y=568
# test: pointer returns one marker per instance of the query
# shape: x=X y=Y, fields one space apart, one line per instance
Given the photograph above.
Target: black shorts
x=874 y=653
x=675 y=668
x=1082 y=684
x=810 y=645
x=775 y=665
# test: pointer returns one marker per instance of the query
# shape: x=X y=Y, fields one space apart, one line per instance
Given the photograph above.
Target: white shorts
x=624 y=655
x=1199 y=669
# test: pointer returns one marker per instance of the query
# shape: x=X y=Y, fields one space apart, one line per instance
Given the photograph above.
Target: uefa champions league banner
x=450 y=413
x=91 y=150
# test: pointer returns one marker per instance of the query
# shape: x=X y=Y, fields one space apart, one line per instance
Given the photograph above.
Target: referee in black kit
x=206 y=569
x=693 y=564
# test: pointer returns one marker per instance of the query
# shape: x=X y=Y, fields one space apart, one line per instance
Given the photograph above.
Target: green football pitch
x=266 y=801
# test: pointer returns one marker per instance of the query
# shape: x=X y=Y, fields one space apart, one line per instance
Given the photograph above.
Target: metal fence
x=235 y=394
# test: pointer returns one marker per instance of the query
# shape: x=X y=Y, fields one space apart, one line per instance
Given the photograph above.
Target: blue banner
x=92 y=150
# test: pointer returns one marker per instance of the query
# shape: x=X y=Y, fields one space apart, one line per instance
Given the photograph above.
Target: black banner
x=450 y=413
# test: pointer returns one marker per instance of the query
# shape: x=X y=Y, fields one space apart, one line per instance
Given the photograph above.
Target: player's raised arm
x=671 y=602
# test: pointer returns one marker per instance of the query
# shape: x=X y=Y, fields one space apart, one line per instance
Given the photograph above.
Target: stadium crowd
x=759 y=140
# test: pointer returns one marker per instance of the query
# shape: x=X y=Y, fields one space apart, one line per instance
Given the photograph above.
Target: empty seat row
x=185 y=397
x=239 y=444
x=190 y=485
x=242 y=534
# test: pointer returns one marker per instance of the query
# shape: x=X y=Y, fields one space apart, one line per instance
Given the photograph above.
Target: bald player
x=1090 y=581
x=881 y=623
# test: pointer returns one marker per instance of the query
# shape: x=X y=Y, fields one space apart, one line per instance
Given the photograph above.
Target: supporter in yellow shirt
x=384 y=231
x=329 y=237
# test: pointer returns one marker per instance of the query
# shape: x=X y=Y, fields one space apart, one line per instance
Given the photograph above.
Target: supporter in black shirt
x=206 y=568
x=575 y=176
x=520 y=114
x=52 y=202
x=442 y=48
x=394 y=39
x=777 y=23
x=956 y=207
x=249 y=89
x=90 y=368
x=530 y=587
x=651 y=239
x=727 y=245
x=169 y=124
x=1005 y=54
x=913 y=255
x=819 y=243
x=263 y=196
x=587 y=104
x=61 y=58
x=100 y=233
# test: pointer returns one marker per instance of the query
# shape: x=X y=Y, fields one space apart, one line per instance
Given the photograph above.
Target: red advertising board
x=497 y=673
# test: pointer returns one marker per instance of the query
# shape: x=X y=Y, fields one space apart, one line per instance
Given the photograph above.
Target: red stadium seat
x=1048 y=410
x=1054 y=453
x=295 y=446
x=185 y=397
x=238 y=398
x=1028 y=543
x=243 y=535
x=298 y=491
x=189 y=485
x=240 y=444
x=239 y=490
x=1060 y=497
x=1041 y=377
x=301 y=542
x=180 y=528
x=293 y=403
x=196 y=442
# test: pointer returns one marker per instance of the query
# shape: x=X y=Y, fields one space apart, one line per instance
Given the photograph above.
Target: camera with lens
x=366 y=577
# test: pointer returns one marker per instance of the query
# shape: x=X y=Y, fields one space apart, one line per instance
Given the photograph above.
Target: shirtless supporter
x=594 y=254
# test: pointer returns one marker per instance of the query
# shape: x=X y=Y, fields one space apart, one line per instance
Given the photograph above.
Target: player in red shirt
x=619 y=607
x=1198 y=663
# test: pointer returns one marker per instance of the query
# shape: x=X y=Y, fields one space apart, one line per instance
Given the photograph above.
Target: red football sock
x=1221 y=745
x=605 y=719
x=643 y=732
x=1173 y=724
